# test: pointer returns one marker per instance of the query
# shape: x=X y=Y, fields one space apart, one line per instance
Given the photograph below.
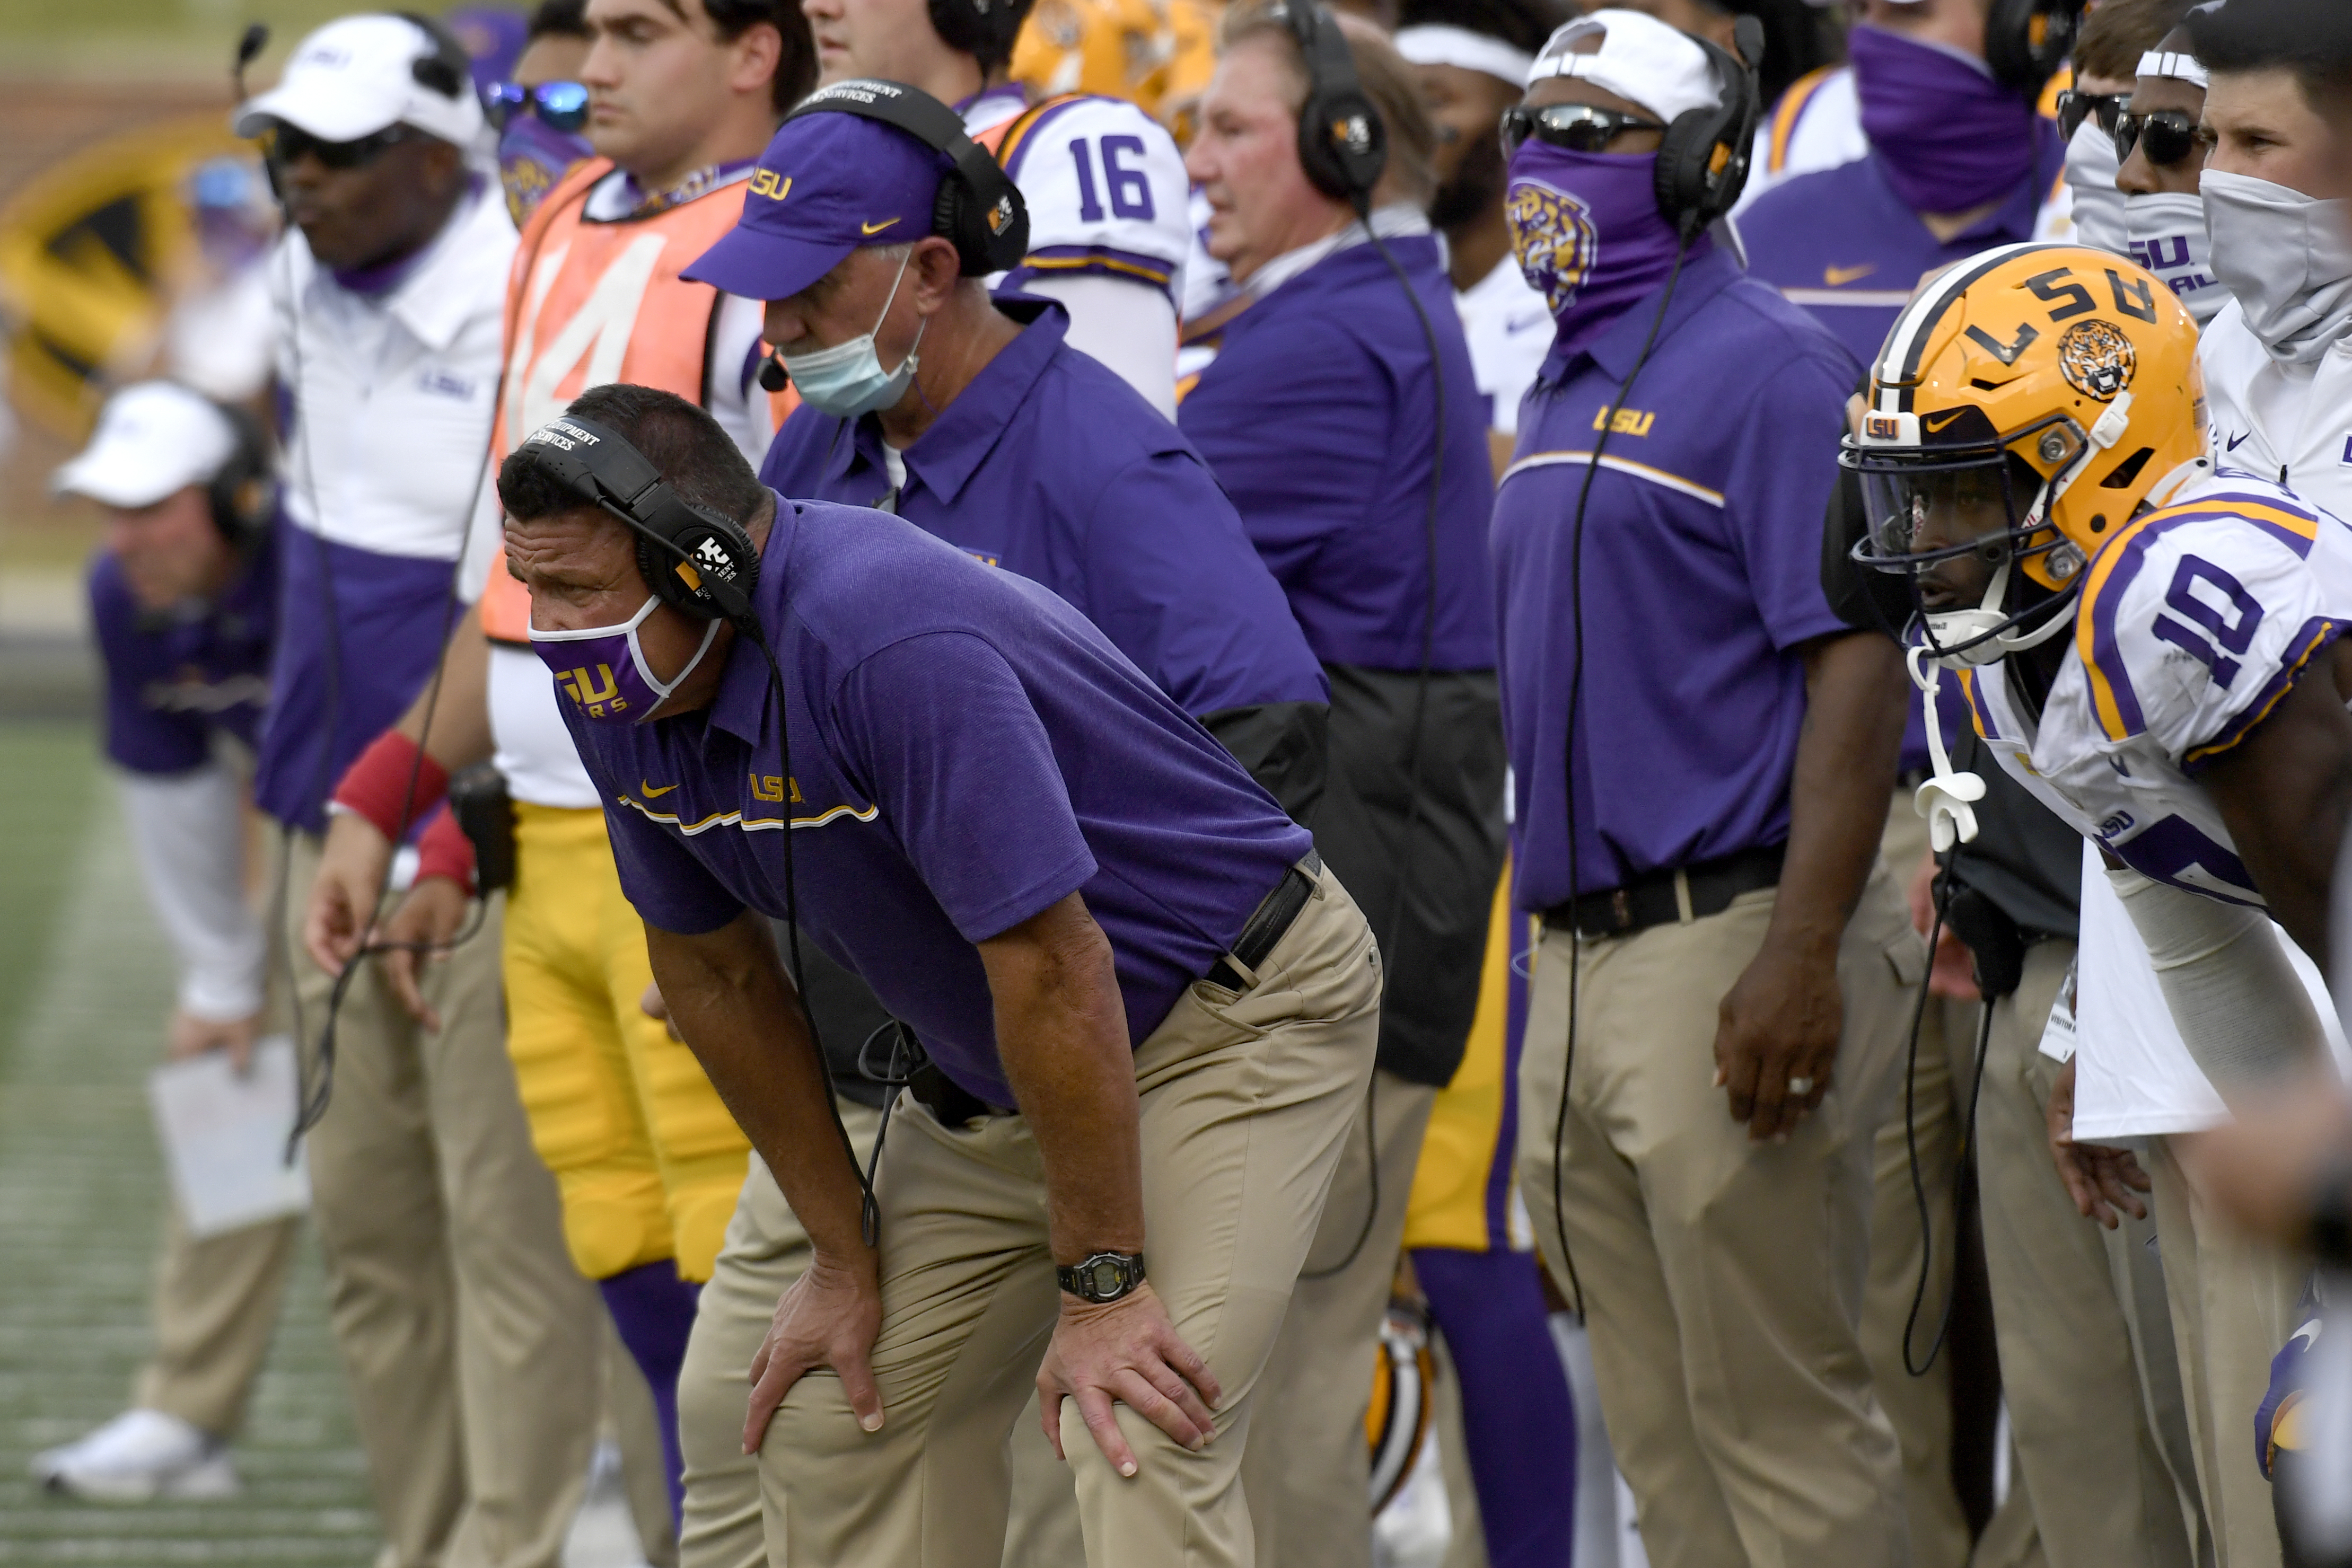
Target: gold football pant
x=647 y=1158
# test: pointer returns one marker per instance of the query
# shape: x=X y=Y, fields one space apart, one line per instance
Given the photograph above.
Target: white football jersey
x=1509 y=327
x=2194 y=621
x=1104 y=184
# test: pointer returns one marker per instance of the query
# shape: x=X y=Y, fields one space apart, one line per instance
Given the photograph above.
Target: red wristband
x=378 y=786
x=444 y=849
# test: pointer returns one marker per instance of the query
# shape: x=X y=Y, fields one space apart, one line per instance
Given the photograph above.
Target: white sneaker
x=138 y=1457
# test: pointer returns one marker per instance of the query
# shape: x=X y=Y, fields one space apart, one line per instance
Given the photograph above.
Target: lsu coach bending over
x=1103 y=931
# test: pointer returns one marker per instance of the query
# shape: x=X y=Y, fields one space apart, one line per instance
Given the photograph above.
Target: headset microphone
x=773 y=377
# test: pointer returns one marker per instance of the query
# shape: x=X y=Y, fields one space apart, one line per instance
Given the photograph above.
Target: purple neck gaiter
x=1588 y=234
x=1950 y=137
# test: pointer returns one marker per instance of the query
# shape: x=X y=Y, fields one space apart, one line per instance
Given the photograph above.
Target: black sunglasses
x=1579 y=127
x=289 y=145
x=2165 y=135
x=2074 y=108
x=559 y=105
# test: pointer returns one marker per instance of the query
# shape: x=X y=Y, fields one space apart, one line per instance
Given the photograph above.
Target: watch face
x=1105 y=1276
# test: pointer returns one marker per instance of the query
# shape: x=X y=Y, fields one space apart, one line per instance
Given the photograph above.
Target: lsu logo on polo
x=597 y=695
x=769 y=183
x=770 y=787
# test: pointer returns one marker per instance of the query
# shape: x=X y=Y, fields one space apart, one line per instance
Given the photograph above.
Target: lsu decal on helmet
x=1553 y=237
x=2052 y=388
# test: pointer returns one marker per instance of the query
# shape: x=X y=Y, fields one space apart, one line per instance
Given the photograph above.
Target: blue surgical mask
x=848 y=380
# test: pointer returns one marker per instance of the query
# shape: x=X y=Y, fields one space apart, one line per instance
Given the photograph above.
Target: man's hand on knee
x=828 y=1318
x=1126 y=1351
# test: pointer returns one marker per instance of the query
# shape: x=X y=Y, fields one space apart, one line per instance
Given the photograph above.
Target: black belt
x=950 y=1102
x=1651 y=899
x=1268 y=924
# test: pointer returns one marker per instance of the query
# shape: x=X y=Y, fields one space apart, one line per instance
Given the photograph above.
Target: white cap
x=1641 y=59
x=356 y=77
x=153 y=439
x=1469 y=51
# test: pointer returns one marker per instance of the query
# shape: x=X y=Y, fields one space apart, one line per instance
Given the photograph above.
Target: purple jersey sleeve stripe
x=1025 y=135
x=2112 y=575
x=2317 y=634
x=1066 y=260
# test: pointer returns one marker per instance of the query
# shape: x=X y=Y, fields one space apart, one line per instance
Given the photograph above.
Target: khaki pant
x=216 y=1308
x=1723 y=1279
x=2233 y=1303
x=1308 y=1473
x=1245 y=1105
x=2086 y=1355
x=470 y=1340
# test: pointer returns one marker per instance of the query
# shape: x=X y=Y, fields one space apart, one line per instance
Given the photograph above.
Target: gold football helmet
x=2055 y=381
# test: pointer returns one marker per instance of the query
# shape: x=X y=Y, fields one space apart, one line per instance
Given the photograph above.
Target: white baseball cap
x=355 y=77
x=1641 y=59
x=153 y=439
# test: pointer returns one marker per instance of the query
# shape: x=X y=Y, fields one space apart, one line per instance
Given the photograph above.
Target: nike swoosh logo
x=1839 y=277
x=2238 y=443
x=650 y=793
x=877 y=228
x=1932 y=426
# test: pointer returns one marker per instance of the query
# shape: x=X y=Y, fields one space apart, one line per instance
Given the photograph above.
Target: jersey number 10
x=1130 y=193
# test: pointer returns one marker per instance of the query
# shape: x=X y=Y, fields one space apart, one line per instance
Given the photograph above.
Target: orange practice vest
x=592 y=303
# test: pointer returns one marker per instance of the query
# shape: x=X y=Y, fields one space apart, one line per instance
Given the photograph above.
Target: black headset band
x=448 y=69
x=990 y=230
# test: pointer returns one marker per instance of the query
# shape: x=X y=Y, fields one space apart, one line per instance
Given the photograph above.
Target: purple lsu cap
x=829 y=182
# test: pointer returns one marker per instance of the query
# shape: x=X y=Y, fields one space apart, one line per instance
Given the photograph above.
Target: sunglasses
x=289 y=145
x=559 y=105
x=1579 y=127
x=2074 y=108
x=2167 y=136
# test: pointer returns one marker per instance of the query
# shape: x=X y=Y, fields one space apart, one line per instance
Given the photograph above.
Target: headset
x=243 y=496
x=978 y=209
x=1703 y=162
x=2026 y=42
x=984 y=29
x=712 y=573
x=448 y=69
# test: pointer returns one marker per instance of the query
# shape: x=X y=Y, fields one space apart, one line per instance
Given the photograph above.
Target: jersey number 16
x=1130 y=193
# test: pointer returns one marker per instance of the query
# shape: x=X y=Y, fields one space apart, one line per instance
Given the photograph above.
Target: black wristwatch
x=1105 y=1277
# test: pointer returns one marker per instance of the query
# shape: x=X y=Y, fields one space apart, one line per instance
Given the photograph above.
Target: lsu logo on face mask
x=1553 y=237
x=597 y=695
x=769 y=183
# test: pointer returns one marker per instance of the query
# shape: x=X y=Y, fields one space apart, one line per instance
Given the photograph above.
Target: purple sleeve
x=664 y=884
x=1783 y=464
x=960 y=764
x=1292 y=421
x=139 y=737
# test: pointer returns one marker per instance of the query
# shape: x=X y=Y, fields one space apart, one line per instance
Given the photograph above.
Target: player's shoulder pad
x=1100 y=175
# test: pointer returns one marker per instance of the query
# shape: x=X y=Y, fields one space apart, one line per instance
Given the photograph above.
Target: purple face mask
x=603 y=669
x=1951 y=138
x=533 y=156
x=1588 y=234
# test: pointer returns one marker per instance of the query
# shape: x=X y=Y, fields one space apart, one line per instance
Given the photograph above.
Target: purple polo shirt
x=358 y=633
x=1842 y=244
x=1701 y=578
x=967 y=749
x=1317 y=417
x=175 y=679
x=1126 y=523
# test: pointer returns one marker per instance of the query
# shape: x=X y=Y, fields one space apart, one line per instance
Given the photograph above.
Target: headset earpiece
x=448 y=69
x=1343 y=143
x=978 y=210
x=692 y=558
x=243 y=495
x=2026 y=41
x=1703 y=159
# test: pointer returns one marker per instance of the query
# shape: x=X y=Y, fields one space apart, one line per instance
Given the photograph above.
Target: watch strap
x=1102 y=1277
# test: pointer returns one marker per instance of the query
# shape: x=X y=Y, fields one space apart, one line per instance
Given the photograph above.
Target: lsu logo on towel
x=1553 y=237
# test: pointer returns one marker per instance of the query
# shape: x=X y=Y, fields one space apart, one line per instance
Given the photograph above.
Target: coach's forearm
x=1846 y=757
x=728 y=995
x=460 y=705
x=1061 y=1029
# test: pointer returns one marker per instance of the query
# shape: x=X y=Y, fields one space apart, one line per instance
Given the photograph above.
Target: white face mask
x=2287 y=258
x=2168 y=238
x=2090 y=169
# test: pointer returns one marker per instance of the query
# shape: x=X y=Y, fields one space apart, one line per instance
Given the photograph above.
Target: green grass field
x=85 y=982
